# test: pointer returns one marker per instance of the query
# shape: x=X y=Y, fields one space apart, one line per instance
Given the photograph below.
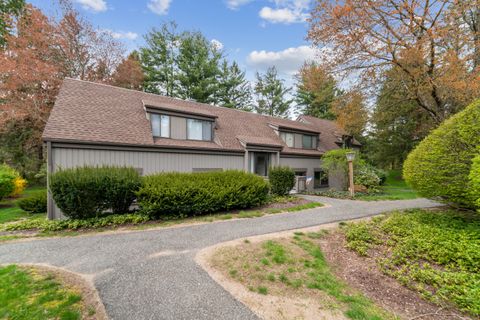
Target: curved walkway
x=152 y=274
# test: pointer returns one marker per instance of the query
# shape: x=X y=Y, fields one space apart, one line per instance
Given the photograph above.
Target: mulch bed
x=363 y=274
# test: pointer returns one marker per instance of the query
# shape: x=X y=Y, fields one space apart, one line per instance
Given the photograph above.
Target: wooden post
x=350 y=178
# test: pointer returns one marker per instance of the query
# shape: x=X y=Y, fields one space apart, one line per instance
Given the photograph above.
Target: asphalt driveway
x=152 y=274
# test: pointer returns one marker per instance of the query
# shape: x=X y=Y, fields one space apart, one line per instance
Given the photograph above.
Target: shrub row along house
x=95 y=124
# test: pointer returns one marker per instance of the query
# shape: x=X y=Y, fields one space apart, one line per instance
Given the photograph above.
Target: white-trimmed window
x=199 y=130
x=288 y=138
x=160 y=125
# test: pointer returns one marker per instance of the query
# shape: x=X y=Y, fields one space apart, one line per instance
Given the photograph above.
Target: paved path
x=135 y=282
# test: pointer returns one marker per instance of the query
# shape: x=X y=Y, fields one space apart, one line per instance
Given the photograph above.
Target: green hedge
x=85 y=192
x=36 y=203
x=282 y=180
x=440 y=165
x=188 y=194
x=7 y=181
x=474 y=177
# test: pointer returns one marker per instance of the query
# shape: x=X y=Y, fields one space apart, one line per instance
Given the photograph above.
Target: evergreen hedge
x=282 y=180
x=175 y=195
x=475 y=180
x=36 y=203
x=86 y=192
x=440 y=165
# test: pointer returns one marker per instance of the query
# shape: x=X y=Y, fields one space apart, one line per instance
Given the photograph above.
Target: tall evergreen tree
x=198 y=68
x=234 y=90
x=271 y=94
x=398 y=123
x=316 y=91
x=158 y=59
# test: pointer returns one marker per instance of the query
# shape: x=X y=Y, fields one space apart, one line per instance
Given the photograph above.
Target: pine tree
x=271 y=94
x=198 y=68
x=158 y=59
x=234 y=90
x=316 y=91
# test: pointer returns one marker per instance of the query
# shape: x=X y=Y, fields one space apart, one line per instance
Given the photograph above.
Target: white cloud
x=287 y=61
x=286 y=11
x=94 y=5
x=159 y=7
x=217 y=44
x=235 y=4
x=286 y=16
x=122 y=35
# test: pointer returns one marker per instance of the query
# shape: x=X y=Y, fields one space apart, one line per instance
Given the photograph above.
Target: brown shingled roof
x=331 y=134
x=88 y=112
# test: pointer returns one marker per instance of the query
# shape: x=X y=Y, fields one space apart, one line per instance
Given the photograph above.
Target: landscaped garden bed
x=433 y=252
x=289 y=278
x=32 y=292
x=41 y=227
x=394 y=188
x=414 y=264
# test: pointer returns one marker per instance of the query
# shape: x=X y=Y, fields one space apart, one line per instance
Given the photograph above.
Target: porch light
x=350 y=156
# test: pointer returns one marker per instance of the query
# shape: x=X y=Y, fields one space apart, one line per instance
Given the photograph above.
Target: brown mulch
x=363 y=274
x=285 y=205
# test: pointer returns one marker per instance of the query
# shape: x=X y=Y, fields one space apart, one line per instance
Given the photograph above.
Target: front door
x=260 y=163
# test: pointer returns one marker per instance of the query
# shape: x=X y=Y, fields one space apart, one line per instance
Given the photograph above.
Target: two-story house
x=96 y=124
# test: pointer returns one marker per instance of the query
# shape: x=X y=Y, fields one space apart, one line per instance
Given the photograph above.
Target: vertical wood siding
x=150 y=162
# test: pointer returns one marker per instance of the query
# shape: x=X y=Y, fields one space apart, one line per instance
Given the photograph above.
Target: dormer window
x=160 y=125
x=199 y=130
x=288 y=138
x=307 y=142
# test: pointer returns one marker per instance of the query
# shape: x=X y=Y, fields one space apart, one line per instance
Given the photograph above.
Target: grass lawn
x=295 y=270
x=10 y=211
x=394 y=188
x=434 y=252
x=28 y=294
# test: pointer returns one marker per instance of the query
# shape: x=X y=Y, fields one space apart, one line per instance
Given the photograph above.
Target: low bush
x=36 y=203
x=440 y=165
x=45 y=225
x=20 y=185
x=189 y=194
x=7 y=181
x=282 y=180
x=434 y=252
x=381 y=174
x=364 y=174
x=86 y=192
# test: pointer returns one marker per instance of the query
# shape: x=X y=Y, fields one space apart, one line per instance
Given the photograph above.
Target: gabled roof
x=87 y=112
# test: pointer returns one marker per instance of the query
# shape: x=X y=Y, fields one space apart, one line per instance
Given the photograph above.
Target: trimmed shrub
x=282 y=180
x=85 y=192
x=439 y=166
x=188 y=194
x=7 y=181
x=36 y=203
x=474 y=177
